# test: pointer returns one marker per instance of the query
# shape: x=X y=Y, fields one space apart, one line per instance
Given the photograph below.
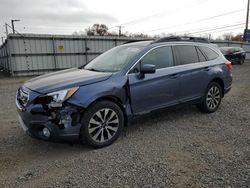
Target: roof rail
x=184 y=38
x=140 y=40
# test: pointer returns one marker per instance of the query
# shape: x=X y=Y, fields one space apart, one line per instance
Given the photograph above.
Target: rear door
x=155 y=90
x=191 y=71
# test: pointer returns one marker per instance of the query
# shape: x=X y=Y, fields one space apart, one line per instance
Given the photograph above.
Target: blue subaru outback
x=94 y=102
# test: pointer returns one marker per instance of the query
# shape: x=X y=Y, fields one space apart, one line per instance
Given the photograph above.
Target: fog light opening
x=46 y=132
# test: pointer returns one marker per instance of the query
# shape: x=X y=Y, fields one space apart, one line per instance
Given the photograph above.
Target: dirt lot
x=180 y=147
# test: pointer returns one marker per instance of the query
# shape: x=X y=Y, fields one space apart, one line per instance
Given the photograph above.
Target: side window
x=186 y=55
x=160 y=57
x=202 y=58
x=209 y=52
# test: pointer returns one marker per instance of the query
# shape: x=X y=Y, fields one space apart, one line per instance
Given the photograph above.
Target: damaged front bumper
x=41 y=121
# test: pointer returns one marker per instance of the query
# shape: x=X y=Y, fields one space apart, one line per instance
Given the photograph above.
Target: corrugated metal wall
x=4 y=60
x=32 y=54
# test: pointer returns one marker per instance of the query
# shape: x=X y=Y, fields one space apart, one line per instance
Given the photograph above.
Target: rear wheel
x=102 y=124
x=212 y=98
x=241 y=61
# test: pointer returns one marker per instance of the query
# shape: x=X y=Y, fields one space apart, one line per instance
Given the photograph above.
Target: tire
x=102 y=124
x=212 y=98
x=241 y=62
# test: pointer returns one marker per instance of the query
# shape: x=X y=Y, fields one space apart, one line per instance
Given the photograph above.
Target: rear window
x=211 y=55
x=231 y=50
x=186 y=54
x=239 y=49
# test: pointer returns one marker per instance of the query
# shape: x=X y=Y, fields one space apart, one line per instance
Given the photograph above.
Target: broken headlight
x=60 y=96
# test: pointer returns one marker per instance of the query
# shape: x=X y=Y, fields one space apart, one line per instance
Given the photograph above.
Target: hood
x=65 y=79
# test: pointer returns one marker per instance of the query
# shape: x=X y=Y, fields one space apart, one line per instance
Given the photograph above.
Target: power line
x=218 y=28
x=215 y=30
x=158 y=14
x=225 y=30
x=207 y=28
x=197 y=21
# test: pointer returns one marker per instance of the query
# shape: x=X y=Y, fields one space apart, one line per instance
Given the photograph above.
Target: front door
x=156 y=90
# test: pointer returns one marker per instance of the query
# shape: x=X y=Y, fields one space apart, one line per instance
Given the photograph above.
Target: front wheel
x=102 y=124
x=212 y=98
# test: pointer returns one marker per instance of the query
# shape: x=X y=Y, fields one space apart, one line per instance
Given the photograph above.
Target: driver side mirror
x=146 y=69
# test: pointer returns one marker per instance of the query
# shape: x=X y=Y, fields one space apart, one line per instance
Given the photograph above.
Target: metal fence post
x=86 y=50
x=9 y=59
x=54 y=52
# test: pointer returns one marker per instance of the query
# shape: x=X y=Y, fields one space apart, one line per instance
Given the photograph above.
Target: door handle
x=174 y=76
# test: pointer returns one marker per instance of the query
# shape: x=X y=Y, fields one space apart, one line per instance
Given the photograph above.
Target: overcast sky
x=150 y=17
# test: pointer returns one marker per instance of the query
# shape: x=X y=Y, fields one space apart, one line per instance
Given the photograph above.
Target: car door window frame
x=200 y=48
x=176 y=55
x=139 y=60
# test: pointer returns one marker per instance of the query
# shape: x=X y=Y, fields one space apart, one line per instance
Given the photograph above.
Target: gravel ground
x=180 y=147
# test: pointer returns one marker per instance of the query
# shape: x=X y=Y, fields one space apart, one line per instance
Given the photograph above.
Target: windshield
x=114 y=59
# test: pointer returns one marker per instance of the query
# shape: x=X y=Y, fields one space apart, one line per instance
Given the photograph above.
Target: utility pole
x=246 y=34
x=6 y=29
x=120 y=29
x=13 y=26
x=247 y=14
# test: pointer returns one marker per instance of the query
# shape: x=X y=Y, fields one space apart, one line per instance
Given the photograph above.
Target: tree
x=238 y=37
x=97 y=29
x=227 y=36
x=230 y=36
x=90 y=32
x=138 y=35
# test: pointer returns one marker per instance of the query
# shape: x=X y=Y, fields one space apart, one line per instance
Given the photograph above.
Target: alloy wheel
x=103 y=125
x=213 y=97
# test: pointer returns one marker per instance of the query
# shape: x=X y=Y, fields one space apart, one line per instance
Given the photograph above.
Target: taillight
x=229 y=64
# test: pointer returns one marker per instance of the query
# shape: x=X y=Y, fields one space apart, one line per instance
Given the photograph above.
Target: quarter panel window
x=186 y=54
x=202 y=58
x=211 y=55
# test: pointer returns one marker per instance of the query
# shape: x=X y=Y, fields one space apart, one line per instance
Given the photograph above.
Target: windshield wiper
x=92 y=69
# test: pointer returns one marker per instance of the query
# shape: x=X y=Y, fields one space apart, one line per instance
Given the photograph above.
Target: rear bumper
x=235 y=58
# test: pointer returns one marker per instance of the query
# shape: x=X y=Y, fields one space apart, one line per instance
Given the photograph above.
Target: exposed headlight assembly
x=60 y=96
